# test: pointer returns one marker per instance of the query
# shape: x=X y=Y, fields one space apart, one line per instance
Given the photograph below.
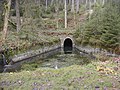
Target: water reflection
x=68 y=50
x=56 y=65
x=5 y=88
x=59 y=60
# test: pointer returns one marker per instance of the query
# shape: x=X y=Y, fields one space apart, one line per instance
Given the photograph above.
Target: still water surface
x=57 y=61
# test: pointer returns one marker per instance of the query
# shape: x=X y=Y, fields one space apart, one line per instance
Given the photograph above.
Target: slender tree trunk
x=103 y=2
x=74 y=19
x=89 y=4
x=46 y=4
x=69 y=2
x=86 y=4
x=7 y=11
x=94 y=3
x=39 y=7
x=77 y=5
x=65 y=14
x=57 y=10
x=18 y=21
x=17 y=15
x=72 y=8
x=52 y=2
x=90 y=12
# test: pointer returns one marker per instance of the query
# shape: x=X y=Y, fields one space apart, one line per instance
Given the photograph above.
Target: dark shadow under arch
x=68 y=45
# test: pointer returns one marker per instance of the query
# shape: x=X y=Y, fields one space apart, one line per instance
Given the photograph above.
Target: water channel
x=56 y=58
x=59 y=60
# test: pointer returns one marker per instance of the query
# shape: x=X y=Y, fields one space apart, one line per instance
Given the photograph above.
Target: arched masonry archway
x=68 y=45
x=63 y=38
x=67 y=41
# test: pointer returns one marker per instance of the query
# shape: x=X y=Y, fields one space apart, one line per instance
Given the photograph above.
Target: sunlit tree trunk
x=46 y=2
x=86 y=4
x=52 y=2
x=17 y=15
x=39 y=2
x=94 y=1
x=90 y=4
x=65 y=14
x=72 y=8
x=17 y=21
x=7 y=12
x=77 y=5
x=73 y=11
x=103 y=2
x=57 y=10
x=69 y=2
x=90 y=11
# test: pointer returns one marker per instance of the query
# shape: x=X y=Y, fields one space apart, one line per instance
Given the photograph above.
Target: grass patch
x=82 y=77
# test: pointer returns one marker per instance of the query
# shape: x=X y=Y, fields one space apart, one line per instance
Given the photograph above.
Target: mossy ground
x=97 y=74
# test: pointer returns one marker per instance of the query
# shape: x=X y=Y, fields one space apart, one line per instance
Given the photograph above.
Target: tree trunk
x=86 y=4
x=46 y=4
x=103 y=2
x=52 y=2
x=72 y=8
x=39 y=2
x=89 y=5
x=77 y=5
x=57 y=13
x=90 y=12
x=65 y=14
x=94 y=1
x=69 y=2
x=17 y=15
x=7 y=11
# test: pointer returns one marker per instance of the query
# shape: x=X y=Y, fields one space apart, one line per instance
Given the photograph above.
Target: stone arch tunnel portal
x=68 y=45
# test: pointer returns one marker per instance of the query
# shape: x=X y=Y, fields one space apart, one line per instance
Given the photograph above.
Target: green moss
x=73 y=77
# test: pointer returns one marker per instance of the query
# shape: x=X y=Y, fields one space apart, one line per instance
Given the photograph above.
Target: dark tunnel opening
x=68 y=46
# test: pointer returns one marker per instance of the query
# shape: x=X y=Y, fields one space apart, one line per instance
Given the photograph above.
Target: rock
x=20 y=82
x=12 y=68
x=97 y=87
x=115 y=68
x=105 y=88
x=35 y=88
x=119 y=81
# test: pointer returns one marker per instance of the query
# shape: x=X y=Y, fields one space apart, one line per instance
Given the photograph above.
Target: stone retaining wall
x=45 y=52
x=42 y=52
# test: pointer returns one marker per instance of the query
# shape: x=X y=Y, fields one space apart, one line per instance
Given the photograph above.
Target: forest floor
x=47 y=34
x=33 y=37
x=102 y=74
